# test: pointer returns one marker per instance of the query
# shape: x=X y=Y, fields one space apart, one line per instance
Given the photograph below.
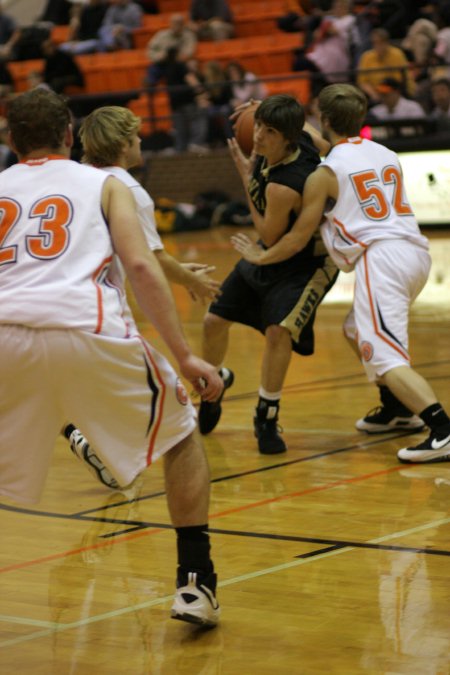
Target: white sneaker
x=435 y=448
x=196 y=603
x=81 y=448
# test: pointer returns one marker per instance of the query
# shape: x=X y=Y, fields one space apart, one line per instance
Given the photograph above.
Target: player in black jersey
x=278 y=300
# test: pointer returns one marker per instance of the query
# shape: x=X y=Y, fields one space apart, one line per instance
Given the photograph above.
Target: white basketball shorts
x=388 y=277
x=123 y=395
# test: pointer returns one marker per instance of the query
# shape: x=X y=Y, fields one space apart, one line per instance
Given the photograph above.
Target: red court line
x=309 y=491
x=75 y=551
x=220 y=514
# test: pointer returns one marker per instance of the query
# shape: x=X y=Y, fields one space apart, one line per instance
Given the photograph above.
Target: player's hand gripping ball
x=243 y=129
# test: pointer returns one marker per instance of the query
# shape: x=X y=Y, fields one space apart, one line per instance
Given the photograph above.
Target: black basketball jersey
x=292 y=172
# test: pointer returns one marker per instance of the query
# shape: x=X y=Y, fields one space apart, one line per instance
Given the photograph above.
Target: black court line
x=336 y=382
x=333 y=543
x=327 y=544
x=313 y=554
x=261 y=469
x=154 y=495
x=310 y=389
x=330 y=544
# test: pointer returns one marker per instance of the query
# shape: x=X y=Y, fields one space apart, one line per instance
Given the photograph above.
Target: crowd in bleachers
x=187 y=63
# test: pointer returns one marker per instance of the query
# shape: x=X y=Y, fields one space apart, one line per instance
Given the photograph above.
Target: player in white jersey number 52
x=368 y=226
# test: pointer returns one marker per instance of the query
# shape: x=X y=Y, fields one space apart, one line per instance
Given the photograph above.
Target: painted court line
x=220 y=514
x=58 y=628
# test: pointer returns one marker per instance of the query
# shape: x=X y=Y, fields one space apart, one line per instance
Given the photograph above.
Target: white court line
x=58 y=628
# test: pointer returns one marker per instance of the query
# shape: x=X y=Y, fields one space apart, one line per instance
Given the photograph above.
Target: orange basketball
x=243 y=129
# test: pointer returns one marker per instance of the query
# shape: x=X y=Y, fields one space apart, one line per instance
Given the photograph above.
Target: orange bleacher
x=250 y=19
x=298 y=86
x=259 y=46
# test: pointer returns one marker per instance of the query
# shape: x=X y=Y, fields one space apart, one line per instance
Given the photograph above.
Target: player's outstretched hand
x=197 y=267
x=247 y=248
x=203 y=376
x=204 y=288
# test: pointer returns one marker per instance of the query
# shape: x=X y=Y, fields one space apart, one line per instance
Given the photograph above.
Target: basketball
x=243 y=129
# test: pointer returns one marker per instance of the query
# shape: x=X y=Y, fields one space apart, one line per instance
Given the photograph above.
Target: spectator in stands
x=329 y=57
x=6 y=82
x=35 y=78
x=188 y=104
x=244 y=85
x=292 y=21
x=379 y=62
x=84 y=26
x=116 y=31
x=57 y=12
x=440 y=94
x=60 y=69
x=28 y=40
x=393 y=105
x=219 y=94
x=177 y=37
x=392 y=15
x=211 y=19
x=9 y=34
x=149 y=6
x=442 y=47
x=420 y=41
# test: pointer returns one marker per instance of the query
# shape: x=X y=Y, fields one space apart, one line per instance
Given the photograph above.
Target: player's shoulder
x=122 y=175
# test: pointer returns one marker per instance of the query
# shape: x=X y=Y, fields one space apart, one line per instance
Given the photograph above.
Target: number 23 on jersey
x=52 y=216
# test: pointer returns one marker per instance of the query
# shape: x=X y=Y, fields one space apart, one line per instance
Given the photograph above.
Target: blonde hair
x=345 y=108
x=104 y=132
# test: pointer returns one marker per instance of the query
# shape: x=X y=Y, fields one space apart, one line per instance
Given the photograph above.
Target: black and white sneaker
x=210 y=412
x=81 y=448
x=436 y=448
x=195 y=601
x=381 y=420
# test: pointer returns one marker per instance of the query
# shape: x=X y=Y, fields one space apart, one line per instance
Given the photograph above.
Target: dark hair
x=284 y=113
x=441 y=81
x=345 y=108
x=235 y=64
x=37 y=119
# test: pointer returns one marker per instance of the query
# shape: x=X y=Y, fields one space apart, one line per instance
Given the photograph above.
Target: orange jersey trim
x=354 y=140
x=341 y=226
x=38 y=161
x=374 y=319
x=95 y=276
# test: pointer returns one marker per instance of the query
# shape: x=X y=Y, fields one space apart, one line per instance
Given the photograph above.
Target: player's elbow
x=269 y=241
x=139 y=270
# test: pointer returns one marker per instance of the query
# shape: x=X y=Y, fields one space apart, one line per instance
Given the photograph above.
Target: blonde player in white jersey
x=67 y=350
x=110 y=140
x=368 y=225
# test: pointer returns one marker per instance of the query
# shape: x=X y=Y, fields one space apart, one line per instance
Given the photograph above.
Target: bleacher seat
x=259 y=46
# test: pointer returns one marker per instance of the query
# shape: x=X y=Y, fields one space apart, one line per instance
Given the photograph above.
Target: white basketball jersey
x=145 y=205
x=372 y=203
x=145 y=210
x=56 y=250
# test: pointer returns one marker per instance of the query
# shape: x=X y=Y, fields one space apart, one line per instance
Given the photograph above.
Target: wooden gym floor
x=333 y=558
